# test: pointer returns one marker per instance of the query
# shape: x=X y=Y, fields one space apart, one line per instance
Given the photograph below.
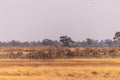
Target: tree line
x=66 y=41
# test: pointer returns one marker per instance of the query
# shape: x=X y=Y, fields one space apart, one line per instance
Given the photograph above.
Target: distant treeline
x=49 y=42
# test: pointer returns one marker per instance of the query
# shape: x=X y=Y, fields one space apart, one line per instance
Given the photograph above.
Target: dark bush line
x=62 y=53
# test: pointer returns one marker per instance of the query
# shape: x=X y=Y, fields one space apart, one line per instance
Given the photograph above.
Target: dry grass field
x=60 y=69
x=61 y=63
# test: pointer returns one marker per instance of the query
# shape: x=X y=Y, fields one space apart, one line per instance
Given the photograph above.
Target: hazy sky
x=28 y=20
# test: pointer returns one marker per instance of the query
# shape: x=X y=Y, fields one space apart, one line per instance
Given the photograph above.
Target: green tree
x=66 y=40
x=117 y=36
x=89 y=41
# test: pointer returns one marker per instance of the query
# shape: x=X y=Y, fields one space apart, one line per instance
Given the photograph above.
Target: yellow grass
x=60 y=73
x=58 y=69
x=93 y=69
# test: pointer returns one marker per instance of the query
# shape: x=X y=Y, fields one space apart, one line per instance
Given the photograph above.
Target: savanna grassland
x=18 y=64
x=60 y=69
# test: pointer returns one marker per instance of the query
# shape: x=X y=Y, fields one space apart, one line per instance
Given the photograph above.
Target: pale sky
x=28 y=20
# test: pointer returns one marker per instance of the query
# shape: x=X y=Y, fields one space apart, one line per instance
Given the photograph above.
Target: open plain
x=59 y=63
x=60 y=69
